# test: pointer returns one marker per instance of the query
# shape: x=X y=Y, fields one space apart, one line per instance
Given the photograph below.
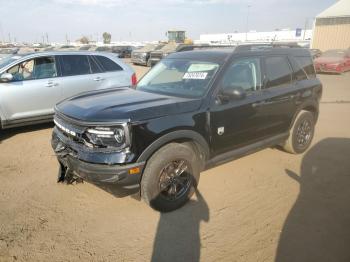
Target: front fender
x=173 y=136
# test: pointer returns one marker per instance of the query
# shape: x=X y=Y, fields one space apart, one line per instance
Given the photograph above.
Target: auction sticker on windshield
x=195 y=75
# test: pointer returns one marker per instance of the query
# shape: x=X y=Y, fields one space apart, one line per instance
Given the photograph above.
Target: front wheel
x=170 y=177
x=301 y=133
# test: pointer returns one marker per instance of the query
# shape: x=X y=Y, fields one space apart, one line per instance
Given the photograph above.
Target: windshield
x=8 y=60
x=183 y=78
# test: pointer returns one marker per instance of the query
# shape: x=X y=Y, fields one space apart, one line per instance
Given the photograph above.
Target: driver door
x=236 y=123
x=33 y=91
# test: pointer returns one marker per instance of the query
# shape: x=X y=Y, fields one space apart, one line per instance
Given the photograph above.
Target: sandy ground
x=269 y=206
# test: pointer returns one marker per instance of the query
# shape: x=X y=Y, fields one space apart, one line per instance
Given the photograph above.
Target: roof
x=209 y=55
x=220 y=55
x=340 y=9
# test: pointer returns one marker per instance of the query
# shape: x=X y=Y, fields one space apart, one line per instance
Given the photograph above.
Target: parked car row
x=31 y=84
x=152 y=54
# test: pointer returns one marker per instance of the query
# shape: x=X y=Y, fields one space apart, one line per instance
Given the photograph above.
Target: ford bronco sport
x=192 y=111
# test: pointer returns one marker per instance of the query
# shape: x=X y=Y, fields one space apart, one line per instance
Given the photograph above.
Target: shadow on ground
x=178 y=237
x=8 y=133
x=318 y=226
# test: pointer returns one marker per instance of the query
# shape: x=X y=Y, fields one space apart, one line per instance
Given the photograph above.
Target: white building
x=284 y=35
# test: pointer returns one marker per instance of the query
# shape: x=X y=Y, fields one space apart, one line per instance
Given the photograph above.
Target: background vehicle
x=177 y=41
x=141 y=56
x=5 y=52
x=315 y=53
x=30 y=85
x=333 y=61
x=192 y=111
x=123 y=51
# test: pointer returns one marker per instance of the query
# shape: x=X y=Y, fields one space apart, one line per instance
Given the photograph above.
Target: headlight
x=112 y=137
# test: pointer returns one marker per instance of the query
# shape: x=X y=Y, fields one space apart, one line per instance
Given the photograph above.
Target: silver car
x=31 y=84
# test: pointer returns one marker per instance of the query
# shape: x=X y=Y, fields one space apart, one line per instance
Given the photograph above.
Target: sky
x=148 y=20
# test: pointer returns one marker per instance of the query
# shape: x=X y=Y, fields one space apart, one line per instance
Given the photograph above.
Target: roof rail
x=261 y=46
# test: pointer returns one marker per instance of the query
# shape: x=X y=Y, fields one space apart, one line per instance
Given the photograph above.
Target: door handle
x=98 y=79
x=50 y=84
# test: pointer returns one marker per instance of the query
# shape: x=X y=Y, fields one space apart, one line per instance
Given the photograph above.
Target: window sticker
x=195 y=75
x=201 y=67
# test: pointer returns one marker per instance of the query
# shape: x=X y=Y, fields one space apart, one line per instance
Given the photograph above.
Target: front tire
x=301 y=133
x=170 y=177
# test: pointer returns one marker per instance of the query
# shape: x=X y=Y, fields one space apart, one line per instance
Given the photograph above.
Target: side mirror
x=6 y=77
x=234 y=93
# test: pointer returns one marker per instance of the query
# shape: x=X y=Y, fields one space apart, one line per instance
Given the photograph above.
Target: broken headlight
x=115 y=137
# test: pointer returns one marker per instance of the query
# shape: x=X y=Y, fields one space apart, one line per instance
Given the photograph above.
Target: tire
x=301 y=133
x=166 y=173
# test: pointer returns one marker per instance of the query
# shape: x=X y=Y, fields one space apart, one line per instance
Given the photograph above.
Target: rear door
x=280 y=93
x=112 y=75
x=75 y=75
x=34 y=90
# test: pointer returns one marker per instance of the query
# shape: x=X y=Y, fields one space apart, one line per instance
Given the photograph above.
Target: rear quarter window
x=303 y=65
x=107 y=64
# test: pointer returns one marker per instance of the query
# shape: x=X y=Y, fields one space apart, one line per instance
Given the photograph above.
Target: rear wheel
x=301 y=134
x=170 y=177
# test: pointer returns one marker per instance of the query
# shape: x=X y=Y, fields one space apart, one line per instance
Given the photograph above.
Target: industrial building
x=332 y=27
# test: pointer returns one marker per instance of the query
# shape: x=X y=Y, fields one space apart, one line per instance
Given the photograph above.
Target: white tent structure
x=332 y=27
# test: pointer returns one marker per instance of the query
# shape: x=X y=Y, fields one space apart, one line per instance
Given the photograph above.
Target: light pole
x=247 y=24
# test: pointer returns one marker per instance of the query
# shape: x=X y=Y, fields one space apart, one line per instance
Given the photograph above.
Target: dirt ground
x=269 y=206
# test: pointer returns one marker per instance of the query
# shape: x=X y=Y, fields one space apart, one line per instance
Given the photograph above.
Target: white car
x=31 y=84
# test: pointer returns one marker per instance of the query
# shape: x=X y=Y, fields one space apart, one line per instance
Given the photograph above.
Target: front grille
x=71 y=131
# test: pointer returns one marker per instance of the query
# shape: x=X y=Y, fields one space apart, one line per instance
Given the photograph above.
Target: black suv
x=192 y=111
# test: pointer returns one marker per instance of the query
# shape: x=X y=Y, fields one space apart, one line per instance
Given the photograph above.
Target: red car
x=333 y=61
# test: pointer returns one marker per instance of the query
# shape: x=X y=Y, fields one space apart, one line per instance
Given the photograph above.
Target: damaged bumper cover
x=96 y=166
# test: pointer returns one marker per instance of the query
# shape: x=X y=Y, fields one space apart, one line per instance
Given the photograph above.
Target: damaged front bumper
x=95 y=166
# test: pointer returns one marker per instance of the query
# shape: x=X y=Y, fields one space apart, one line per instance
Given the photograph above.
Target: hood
x=329 y=60
x=124 y=104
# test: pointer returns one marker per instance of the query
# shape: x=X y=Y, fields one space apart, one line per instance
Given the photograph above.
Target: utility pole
x=247 y=24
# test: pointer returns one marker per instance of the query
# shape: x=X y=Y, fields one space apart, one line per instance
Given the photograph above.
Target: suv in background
x=192 y=111
x=141 y=56
x=31 y=84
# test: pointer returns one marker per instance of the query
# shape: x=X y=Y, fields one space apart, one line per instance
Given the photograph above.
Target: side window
x=45 y=67
x=95 y=68
x=304 y=66
x=38 y=68
x=22 y=71
x=107 y=64
x=72 y=65
x=278 y=71
x=244 y=73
